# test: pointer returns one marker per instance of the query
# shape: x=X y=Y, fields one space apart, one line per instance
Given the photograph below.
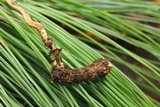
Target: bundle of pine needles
x=86 y=30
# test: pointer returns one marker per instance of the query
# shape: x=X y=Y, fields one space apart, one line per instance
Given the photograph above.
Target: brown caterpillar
x=59 y=71
x=98 y=68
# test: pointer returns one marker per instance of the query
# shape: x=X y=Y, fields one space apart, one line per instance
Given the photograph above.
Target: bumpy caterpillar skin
x=98 y=68
x=59 y=71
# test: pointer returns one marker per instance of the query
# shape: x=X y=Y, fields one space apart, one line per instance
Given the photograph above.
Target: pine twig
x=59 y=71
x=34 y=24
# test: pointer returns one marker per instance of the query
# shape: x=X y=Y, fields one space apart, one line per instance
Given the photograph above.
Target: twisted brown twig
x=47 y=41
x=59 y=71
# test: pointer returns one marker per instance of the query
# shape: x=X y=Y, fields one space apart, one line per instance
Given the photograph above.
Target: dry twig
x=59 y=71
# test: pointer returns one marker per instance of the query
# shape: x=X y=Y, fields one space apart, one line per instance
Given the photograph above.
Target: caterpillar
x=99 y=68
x=59 y=70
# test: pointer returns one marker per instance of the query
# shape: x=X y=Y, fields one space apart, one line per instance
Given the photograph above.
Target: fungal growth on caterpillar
x=59 y=70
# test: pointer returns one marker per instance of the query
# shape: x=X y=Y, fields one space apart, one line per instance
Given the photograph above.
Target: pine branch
x=59 y=71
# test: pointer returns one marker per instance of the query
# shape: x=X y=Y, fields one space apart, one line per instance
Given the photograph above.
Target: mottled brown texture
x=39 y=27
x=98 y=68
x=59 y=71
